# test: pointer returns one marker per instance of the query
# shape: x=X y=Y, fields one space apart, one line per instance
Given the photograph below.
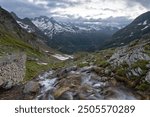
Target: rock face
x=12 y=70
x=129 y=56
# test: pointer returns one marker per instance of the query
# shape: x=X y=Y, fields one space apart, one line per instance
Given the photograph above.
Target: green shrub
x=142 y=64
x=121 y=71
x=101 y=63
x=143 y=86
x=33 y=69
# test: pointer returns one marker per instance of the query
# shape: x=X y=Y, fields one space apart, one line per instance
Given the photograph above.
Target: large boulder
x=31 y=87
x=12 y=70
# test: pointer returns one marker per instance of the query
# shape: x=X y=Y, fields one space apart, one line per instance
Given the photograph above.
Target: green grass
x=33 y=69
x=147 y=49
x=143 y=86
x=10 y=44
x=142 y=64
x=121 y=71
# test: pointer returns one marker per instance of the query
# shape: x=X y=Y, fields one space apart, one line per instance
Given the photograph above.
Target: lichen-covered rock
x=124 y=55
x=12 y=69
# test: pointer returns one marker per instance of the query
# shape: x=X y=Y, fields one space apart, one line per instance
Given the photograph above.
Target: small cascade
x=80 y=84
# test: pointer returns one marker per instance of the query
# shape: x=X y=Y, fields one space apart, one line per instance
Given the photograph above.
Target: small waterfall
x=47 y=86
x=90 y=86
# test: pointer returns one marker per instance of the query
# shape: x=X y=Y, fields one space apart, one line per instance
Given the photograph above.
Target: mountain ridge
x=135 y=30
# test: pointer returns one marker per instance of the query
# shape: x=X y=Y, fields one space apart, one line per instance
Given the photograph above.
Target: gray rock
x=8 y=85
x=66 y=96
x=148 y=66
x=124 y=55
x=148 y=77
x=107 y=71
x=12 y=69
x=31 y=87
x=134 y=73
x=139 y=71
x=1 y=82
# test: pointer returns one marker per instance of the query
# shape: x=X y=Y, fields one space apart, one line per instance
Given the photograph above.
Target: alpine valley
x=46 y=59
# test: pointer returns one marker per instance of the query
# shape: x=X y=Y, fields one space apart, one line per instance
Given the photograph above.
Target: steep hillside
x=14 y=39
x=27 y=24
x=139 y=27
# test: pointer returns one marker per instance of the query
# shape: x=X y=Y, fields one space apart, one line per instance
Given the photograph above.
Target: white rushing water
x=47 y=85
x=98 y=88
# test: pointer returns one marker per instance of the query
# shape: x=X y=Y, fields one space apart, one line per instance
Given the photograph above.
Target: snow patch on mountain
x=51 y=27
x=62 y=57
x=145 y=22
x=145 y=28
x=25 y=26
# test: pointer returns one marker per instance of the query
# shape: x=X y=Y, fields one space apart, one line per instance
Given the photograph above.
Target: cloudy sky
x=78 y=9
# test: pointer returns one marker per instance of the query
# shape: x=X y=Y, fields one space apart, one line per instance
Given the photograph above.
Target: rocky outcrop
x=12 y=69
x=128 y=55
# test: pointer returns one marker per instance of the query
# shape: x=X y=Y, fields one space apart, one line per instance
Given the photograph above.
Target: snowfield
x=62 y=57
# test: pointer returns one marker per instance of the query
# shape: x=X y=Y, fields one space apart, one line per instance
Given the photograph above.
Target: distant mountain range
x=74 y=37
x=67 y=37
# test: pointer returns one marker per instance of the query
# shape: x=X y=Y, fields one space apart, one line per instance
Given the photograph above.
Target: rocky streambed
x=78 y=84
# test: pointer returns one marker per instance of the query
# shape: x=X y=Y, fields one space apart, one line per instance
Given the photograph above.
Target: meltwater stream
x=80 y=84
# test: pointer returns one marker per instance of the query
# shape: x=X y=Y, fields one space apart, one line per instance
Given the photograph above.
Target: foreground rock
x=82 y=84
x=31 y=87
x=12 y=70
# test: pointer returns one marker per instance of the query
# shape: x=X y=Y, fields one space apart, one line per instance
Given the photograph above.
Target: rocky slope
x=14 y=39
x=139 y=27
x=121 y=73
x=115 y=73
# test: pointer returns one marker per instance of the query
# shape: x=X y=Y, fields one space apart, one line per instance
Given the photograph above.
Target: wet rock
x=31 y=87
x=72 y=80
x=65 y=71
x=66 y=96
x=60 y=91
x=98 y=85
x=73 y=68
x=86 y=69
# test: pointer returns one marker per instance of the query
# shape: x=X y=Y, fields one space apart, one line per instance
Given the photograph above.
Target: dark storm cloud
x=33 y=8
x=62 y=3
x=21 y=8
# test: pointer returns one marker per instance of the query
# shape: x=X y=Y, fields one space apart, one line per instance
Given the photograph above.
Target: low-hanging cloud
x=78 y=9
